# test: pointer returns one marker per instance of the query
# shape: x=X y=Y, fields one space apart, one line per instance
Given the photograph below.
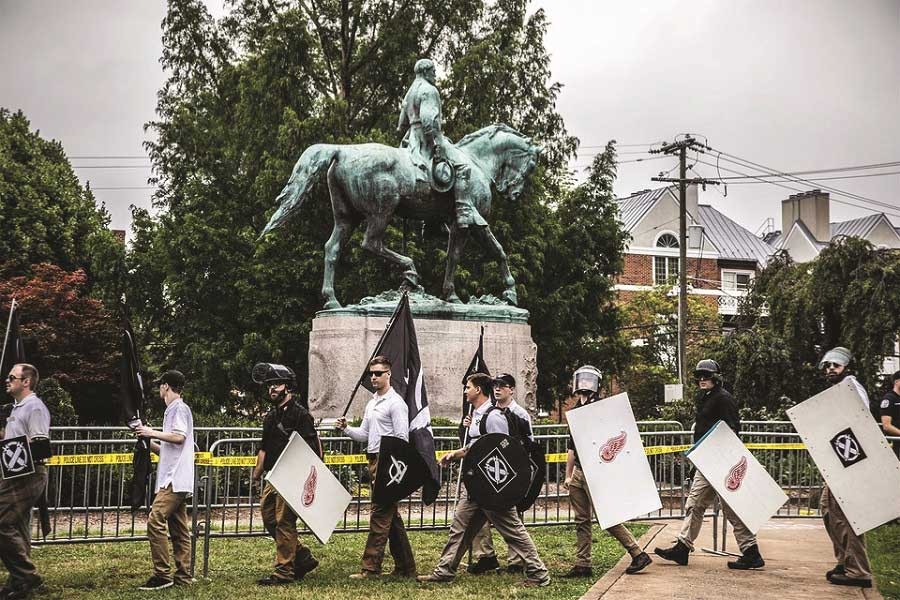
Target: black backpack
x=519 y=428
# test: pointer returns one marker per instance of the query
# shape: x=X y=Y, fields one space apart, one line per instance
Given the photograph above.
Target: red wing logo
x=309 y=488
x=610 y=450
x=736 y=475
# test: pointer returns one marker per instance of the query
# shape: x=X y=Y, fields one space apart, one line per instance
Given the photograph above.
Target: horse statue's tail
x=313 y=163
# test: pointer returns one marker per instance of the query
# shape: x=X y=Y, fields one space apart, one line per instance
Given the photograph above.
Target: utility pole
x=681 y=147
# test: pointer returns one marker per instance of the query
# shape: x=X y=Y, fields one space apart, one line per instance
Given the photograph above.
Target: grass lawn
x=884 y=554
x=114 y=570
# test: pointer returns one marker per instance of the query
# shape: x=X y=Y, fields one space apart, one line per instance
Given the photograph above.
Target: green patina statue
x=428 y=178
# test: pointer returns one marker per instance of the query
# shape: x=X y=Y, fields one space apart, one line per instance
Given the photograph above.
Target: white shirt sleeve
x=400 y=419
x=361 y=433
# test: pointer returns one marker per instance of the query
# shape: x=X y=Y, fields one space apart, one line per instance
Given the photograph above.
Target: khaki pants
x=386 y=528
x=483 y=546
x=170 y=509
x=700 y=497
x=469 y=519
x=281 y=523
x=580 y=499
x=849 y=548
x=17 y=497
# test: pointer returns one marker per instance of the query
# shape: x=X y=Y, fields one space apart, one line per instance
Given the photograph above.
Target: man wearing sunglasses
x=714 y=404
x=852 y=567
x=385 y=414
x=293 y=559
x=29 y=418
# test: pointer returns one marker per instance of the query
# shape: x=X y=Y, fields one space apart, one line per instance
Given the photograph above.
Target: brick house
x=722 y=256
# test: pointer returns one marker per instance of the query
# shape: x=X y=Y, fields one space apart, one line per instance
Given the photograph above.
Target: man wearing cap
x=30 y=418
x=293 y=559
x=714 y=404
x=469 y=517
x=586 y=385
x=174 y=483
x=385 y=414
x=482 y=544
x=890 y=412
x=852 y=567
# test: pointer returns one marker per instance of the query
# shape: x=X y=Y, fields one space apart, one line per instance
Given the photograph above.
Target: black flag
x=13 y=348
x=400 y=347
x=132 y=391
x=476 y=365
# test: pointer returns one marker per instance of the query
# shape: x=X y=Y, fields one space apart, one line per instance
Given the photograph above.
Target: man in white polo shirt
x=386 y=414
x=174 y=483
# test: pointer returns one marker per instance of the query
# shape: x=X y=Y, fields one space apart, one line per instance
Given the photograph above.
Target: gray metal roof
x=635 y=206
x=731 y=239
x=855 y=227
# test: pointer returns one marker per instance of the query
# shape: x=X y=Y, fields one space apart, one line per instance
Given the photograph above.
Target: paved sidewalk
x=797 y=554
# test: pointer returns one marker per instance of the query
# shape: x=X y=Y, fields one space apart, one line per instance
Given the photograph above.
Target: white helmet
x=586 y=378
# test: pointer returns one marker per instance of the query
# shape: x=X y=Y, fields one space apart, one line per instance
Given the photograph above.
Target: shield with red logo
x=613 y=461
x=309 y=488
x=736 y=475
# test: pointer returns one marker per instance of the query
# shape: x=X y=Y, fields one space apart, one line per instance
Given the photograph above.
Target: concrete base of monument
x=340 y=345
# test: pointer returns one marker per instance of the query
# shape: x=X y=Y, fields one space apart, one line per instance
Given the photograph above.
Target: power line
x=832 y=170
x=817 y=179
x=92 y=157
x=123 y=187
x=112 y=167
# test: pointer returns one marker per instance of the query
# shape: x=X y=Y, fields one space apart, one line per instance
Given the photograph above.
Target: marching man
x=386 y=414
x=714 y=404
x=586 y=385
x=470 y=517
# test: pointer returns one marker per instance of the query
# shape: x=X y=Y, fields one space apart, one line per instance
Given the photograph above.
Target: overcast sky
x=796 y=86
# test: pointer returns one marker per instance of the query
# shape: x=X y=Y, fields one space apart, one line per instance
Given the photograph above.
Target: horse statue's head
x=508 y=156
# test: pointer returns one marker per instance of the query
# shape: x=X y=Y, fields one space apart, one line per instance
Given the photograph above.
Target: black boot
x=302 y=569
x=638 y=563
x=576 y=572
x=837 y=570
x=751 y=559
x=485 y=564
x=678 y=553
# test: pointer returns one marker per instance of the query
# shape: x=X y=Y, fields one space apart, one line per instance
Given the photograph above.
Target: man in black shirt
x=714 y=404
x=293 y=559
x=890 y=412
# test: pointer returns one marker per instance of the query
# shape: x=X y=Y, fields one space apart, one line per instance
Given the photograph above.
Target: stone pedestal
x=341 y=343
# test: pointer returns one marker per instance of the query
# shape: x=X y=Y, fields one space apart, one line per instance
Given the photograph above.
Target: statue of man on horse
x=427 y=178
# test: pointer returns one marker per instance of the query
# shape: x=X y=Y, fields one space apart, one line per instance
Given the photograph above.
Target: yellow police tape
x=206 y=459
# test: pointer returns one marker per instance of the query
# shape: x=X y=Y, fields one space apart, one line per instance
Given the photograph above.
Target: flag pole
x=374 y=353
x=12 y=307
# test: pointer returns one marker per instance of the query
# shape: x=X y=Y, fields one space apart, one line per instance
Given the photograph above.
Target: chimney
x=811 y=208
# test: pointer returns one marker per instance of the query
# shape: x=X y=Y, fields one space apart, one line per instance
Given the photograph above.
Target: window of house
x=665 y=269
x=667 y=240
x=736 y=280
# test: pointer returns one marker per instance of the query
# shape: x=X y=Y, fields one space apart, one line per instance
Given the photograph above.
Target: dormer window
x=667 y=240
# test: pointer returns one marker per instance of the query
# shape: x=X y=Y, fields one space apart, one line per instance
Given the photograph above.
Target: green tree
x=246 y=95
x=47 y=216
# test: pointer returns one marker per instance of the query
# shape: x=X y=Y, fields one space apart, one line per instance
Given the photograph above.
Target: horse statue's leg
x=455 y=244
x=486 y=236
x=339 y=237
x=373 y=241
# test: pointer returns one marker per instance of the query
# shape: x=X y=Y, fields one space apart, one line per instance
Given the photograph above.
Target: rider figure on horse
x=436 y=160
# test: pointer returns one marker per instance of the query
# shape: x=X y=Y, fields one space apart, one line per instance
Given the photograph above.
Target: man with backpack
x=469 y=516
x=483 y=545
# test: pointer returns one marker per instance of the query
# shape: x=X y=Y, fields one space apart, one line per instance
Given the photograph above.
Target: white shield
x=850 y=451
x=613 y=460
x=737 y=476
x=309 y=488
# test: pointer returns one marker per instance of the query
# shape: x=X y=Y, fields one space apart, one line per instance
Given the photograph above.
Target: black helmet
x=270 y=373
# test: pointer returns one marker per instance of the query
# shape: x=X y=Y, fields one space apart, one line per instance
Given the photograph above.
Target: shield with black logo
x=847 y=448
x=538 y=464
x=15 y=458
x=401 y=471
x=497 y=471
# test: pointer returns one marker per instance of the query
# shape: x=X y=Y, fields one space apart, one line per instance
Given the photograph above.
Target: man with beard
x=852 y=567
x=293 y=559
x=714 y=404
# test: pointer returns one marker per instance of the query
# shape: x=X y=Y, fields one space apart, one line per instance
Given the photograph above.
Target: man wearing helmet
x=714 y=404
x=852 y=567
x=586 y=386
x=293 y=559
